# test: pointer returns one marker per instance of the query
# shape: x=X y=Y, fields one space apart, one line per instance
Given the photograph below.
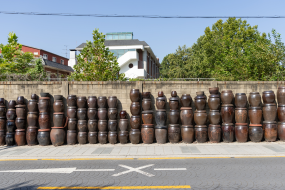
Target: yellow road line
x=124 y=187
x=173 y=158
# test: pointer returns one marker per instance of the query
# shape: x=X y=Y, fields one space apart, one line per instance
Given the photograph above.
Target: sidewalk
x=144 y=151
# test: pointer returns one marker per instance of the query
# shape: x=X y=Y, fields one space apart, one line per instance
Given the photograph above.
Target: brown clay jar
x=2 y=124
x=92 y=113
x=82 y=137
x=214 y=133
x=123 y=114
x=241 y=132
x=255 y=115
x=71 y=137
x=102 y=113
x=102 y=102
x=33 y=106
x=11 y=114
x=57 y=136
x=201 y=133
x=2 y=137
x=281 y=112
x=123 y=124
x=21 y=111
x=270 y=131
x=186 y=100
x=58 y=106
x=20 y=137
x=32 y=118
x=20 y=100
x=102 y=125
x=240 y=100
x=43 y=137
x=227 y=97
x=81 y=114
x=241 y=115
x=135 y=95
x=31 y=135
x=112 y=137
x=186 y=116
x=147 y=132
x=187 y=133
x=135 y=136
x=214 y=102
x=146 y=104
x=71 y=112
x=44 y=104
x=160 y=103
x=112 y=113
x=214 y=117
x=10 y=126
x=20 y=123
x=44 y=120
x=160 y=94
x=72 y=124
x=161 y=134
x=146 y=95
x=81 y=102
x=200 y=117
x=268 y=97
x=147 y=117
x=269 y=111
x=112 y=125
x=254 y=99
x=92 y=125
x=135 y=122
x=102 y=137
x=112 y=102
x=228 y=113
x=93 y=137
x=92 y=102
x=2 y=111
x=174 y=133
x=11 y=104
x=214 y=90
x=58 y=119
x=160 y=117
x=255 y=132
x=200 y=102
x=82 y=125
x=228 y=132
x=281 y=131
x=281 y=95
x=71 y=100
x=174 y=103
x=135 y=108
x=173 y=116
x=123 y=137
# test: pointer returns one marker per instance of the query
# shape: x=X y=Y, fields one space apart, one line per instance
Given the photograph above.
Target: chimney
x=72 y=59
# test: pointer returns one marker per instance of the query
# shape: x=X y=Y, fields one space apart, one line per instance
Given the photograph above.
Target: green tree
x=96 y=62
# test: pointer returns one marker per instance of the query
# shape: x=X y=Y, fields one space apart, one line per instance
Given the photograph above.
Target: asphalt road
x=206 y=173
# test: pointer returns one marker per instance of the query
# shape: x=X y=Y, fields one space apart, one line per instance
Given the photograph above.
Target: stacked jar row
x=200 y=117
x=147 y=129
x=214 y=116
x=135 y=120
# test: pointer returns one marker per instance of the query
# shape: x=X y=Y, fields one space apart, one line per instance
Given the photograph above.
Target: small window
x=62 y=61
x=131 y=65
x=36 y=53
x=54 y=59
x=45 y=56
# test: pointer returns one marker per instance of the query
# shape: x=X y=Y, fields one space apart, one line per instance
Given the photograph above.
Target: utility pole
x=65 y=50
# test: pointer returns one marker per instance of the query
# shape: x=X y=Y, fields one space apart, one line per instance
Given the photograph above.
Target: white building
x=135 y=57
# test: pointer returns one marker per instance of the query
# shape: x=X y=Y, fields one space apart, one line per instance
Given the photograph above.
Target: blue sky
x=163 y=35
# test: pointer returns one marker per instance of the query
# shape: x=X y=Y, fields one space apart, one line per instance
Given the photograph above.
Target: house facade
x=136 y=59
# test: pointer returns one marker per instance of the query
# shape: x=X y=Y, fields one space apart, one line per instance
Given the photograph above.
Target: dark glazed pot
x=201 y=133
x=20 y=123
x=57 y=136
x=82 y=137
x=123 y=137
x=33 y=106
x=135 y=108
x=11 y=114
x=112 y=137
x=10 y=141
x=102 y=113
x=214 y=90
x=240 y=100
x=187 y=133
x=71 y=100
x=214 y=102
x=2 y=111
x=71 y=137
x=214 y=133
x=146 y=104
x=92 y=102
x=71 y=112
x=281 y=131
x=281 y=95
x=112 y=102
x=58 y=106
x=20 y=137
x=58 y=119
x=81 y=114
x=34 y=97
x=135 y=95
x=186 y=100
x=44 y=104
x=200 y=117
x=72 y=124
x=32 y=118
x=2 y=124
x=44 y=137
x=31 y=135
x=147 y=132
x=227 y=97
x=102 y=125
x=254 y=99
x=92 y=125
x=102 y=137
x=174 y=133
x=270 y=131
x=268 y=97
x=135 y=122
x=20 y=100
x=147 y=117
x=255 y=115
x=112 y=125
x=81 y=101
x=123 y=114
x=21 y=111
x=228 y=113
x=93 y=137
x=241 y=132
x=161 y=134
x=174 y=103
x=214 y=117
x=82 y=126
x=186 y=116
x=241 y=115
x=135 y=136
x=160 y=94
x=10 y=126
x=200 y=102
x=112 y=113
x=44 y=120
x=228 y=132
x=173 y=93
x=160 y=103
x=255 y=132
x=281 y=112
x=146 y=95
x=2 y=137
x=12 y=104
x=160 y=117
x=173 y=116
x=123 y=124
x=269 y=112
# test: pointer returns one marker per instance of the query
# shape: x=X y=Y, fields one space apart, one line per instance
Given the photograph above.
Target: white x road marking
x=131 y=169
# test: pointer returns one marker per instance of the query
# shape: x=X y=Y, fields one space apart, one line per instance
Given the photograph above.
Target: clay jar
x=123 y=137
x=123 y=114
x=44 y=137
x=71 y=100
x=281 y=112
x=112 y=137
x=186 y=100
x=10 y=126
x=241 y=132
x=135 y=95
x=174 y=133
x=82 y=137
x=160 y=103
x=240 y=100
x=147 y=117
x=82 y=125
x=270 y=131
x=44 y=120
x=201 y=133
x=20 y=123
x=34 y=97
x=160 y=94
x=200 y=117
x=2 y=137
x=174 y=103
x=32 y=118
x=255 y=132
x=12 y=104
x=2 y=111
x=147 y=132
x=268 y=97
x=161 y=134
x=135 y=122
x=269 y=111
x=200 y=102
x=112 y=102
x=123 y=124
x=71 y=137
x=214 y=133
x=81 y=114
x=240 y=115
x=146 y=104
x=11 y=114
x=92 y=125
x=214 y=117
x=72 y=123
x=160 y=117
x=254 y=99
x=112 y=113
x=9 y=139
x=135 y=108
x=112 y=125
x=145 y=95
x=102 y=113
x=281 y=95
x=102 y=137
x=214 y=90
x=255 y=115
x=187 y=133
x=71 y=112
x=2 y=124
x=186 y=116
x=281 y=131
x=21 y=111
x=227 y=113
x=227 y=96
x=20 y=100
x=135 y=136
x=57 y=136
x=173 y=116
x=32 y=105
x=92 y=102
x=58 y=119
x=20 y=137
x=58 y=106
x=44 y=104
x=93 y=137
x=214 y=102
x=81 y=101
x=31 y=135
x=102 y=125
x=228 y=132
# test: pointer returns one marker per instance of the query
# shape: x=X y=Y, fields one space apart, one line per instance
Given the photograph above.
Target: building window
x=36 y=53
x=119 y=52
x=54 y=59
x=45 y=56
x=131 y=65
x=62 y=61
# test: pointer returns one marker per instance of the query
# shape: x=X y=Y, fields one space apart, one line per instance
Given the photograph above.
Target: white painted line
x=131 y=169
x=94 y=170
x=169 y=169
x=48 y=170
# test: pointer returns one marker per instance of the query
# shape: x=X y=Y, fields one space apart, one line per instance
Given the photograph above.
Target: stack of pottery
x=214 y=102
x=255 y=130
x=20 y=122
x=269 y=114
x=44 y=119
x=32 y=120
x=123 y=126
x=10 y=124
x=2 y=121
x=281 y=113
x=174 y=131
x=135 y=121
x=102 y=122
x=186 y=116
x=200 y=118
x=71 y=134
x=57 y=134
x=112 y=122
x=227 y=112
x=160 y=119
x=241 y=128
x=147 y=118
x=81 y=119
x=92 y=120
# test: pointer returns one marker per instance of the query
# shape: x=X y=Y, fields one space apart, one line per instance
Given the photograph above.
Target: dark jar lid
x=200 y=126
x=174 y=99
x=240 y=94
x=254 y=93
x=161 y=98
x=187 y=126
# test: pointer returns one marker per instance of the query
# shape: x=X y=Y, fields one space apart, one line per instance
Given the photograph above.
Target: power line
x=129 y=16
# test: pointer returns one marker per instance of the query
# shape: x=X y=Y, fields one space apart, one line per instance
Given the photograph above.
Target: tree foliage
x=96 y=62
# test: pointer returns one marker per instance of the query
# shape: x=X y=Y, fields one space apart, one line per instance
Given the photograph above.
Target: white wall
x=72 y=59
